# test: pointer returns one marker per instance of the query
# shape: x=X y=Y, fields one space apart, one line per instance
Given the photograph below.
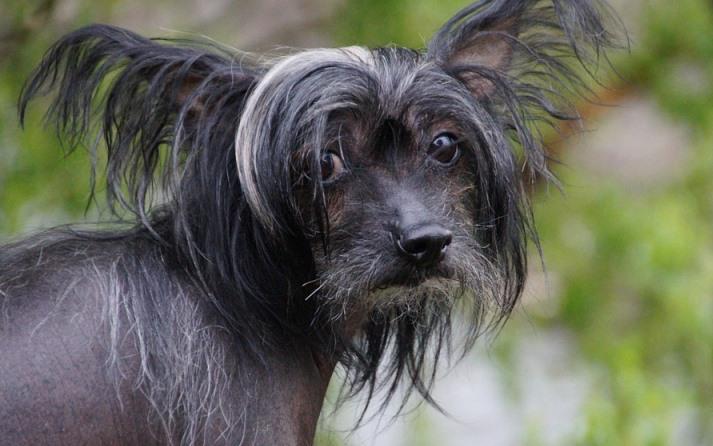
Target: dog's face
x=398 y=172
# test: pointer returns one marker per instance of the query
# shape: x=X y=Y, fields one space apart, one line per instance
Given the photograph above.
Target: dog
x=275 y=219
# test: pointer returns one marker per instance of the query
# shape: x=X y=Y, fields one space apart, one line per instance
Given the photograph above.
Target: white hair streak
x=251 y=129
x=184 y=373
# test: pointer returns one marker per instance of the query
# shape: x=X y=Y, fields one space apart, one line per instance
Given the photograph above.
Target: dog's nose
x=424 y=245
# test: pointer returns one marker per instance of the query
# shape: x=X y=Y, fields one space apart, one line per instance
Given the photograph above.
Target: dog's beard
x=370 y=281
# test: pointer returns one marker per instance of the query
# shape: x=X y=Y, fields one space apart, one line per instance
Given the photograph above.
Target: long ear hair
x=525 y=58
x=169 y=110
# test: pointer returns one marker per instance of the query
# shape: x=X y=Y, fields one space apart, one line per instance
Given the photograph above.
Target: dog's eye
x=445 y=149
x=332 y=166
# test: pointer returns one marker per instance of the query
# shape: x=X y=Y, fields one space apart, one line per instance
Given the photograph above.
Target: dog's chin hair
x=411 y=326
x=394 y=301
x=474 y=277
x=409 y=298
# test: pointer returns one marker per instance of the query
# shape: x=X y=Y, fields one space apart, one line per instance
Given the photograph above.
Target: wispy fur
x=216 y=156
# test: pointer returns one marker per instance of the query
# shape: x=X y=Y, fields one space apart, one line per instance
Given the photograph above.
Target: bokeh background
x=613 y=344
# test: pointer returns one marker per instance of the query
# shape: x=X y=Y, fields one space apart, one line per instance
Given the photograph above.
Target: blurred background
x=613 y=344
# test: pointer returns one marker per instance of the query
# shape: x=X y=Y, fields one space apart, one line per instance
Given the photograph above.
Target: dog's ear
x=476 y=41
x=491 y=39
x=158 y=104
x=177 y=75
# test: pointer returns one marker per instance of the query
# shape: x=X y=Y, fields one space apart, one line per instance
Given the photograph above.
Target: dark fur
x=288 y=261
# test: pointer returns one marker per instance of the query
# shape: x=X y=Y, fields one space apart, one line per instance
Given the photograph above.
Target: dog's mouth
x=409 y=287
x=412 y=277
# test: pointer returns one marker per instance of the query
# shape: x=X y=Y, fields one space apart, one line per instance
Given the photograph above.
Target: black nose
x=424 y=245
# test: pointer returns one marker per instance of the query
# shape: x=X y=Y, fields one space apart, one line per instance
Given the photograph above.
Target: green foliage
x=637 y=269
x=637 y=273
x=674 y=58
x=378 y=23
x=38 y=186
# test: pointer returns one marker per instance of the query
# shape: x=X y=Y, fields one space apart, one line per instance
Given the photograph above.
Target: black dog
x=333 y=207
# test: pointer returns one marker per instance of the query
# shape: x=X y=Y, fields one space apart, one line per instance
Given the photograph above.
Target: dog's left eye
x=332 y=166
x=445 y=149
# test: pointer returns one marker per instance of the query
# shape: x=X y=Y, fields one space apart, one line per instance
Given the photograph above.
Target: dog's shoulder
x=56 y=290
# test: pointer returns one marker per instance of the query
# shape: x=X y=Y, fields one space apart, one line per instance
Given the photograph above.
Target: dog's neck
x=277 y=399
x=293 y=396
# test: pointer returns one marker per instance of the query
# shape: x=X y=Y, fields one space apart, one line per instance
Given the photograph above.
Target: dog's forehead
x=381 y=77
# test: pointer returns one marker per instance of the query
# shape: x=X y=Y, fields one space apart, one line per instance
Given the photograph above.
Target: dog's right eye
x=332 y=166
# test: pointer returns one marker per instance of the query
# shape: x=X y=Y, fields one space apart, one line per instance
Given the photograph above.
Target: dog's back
x=54 y=344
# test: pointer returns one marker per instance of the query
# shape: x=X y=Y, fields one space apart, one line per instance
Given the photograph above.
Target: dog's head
x=374 y=188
